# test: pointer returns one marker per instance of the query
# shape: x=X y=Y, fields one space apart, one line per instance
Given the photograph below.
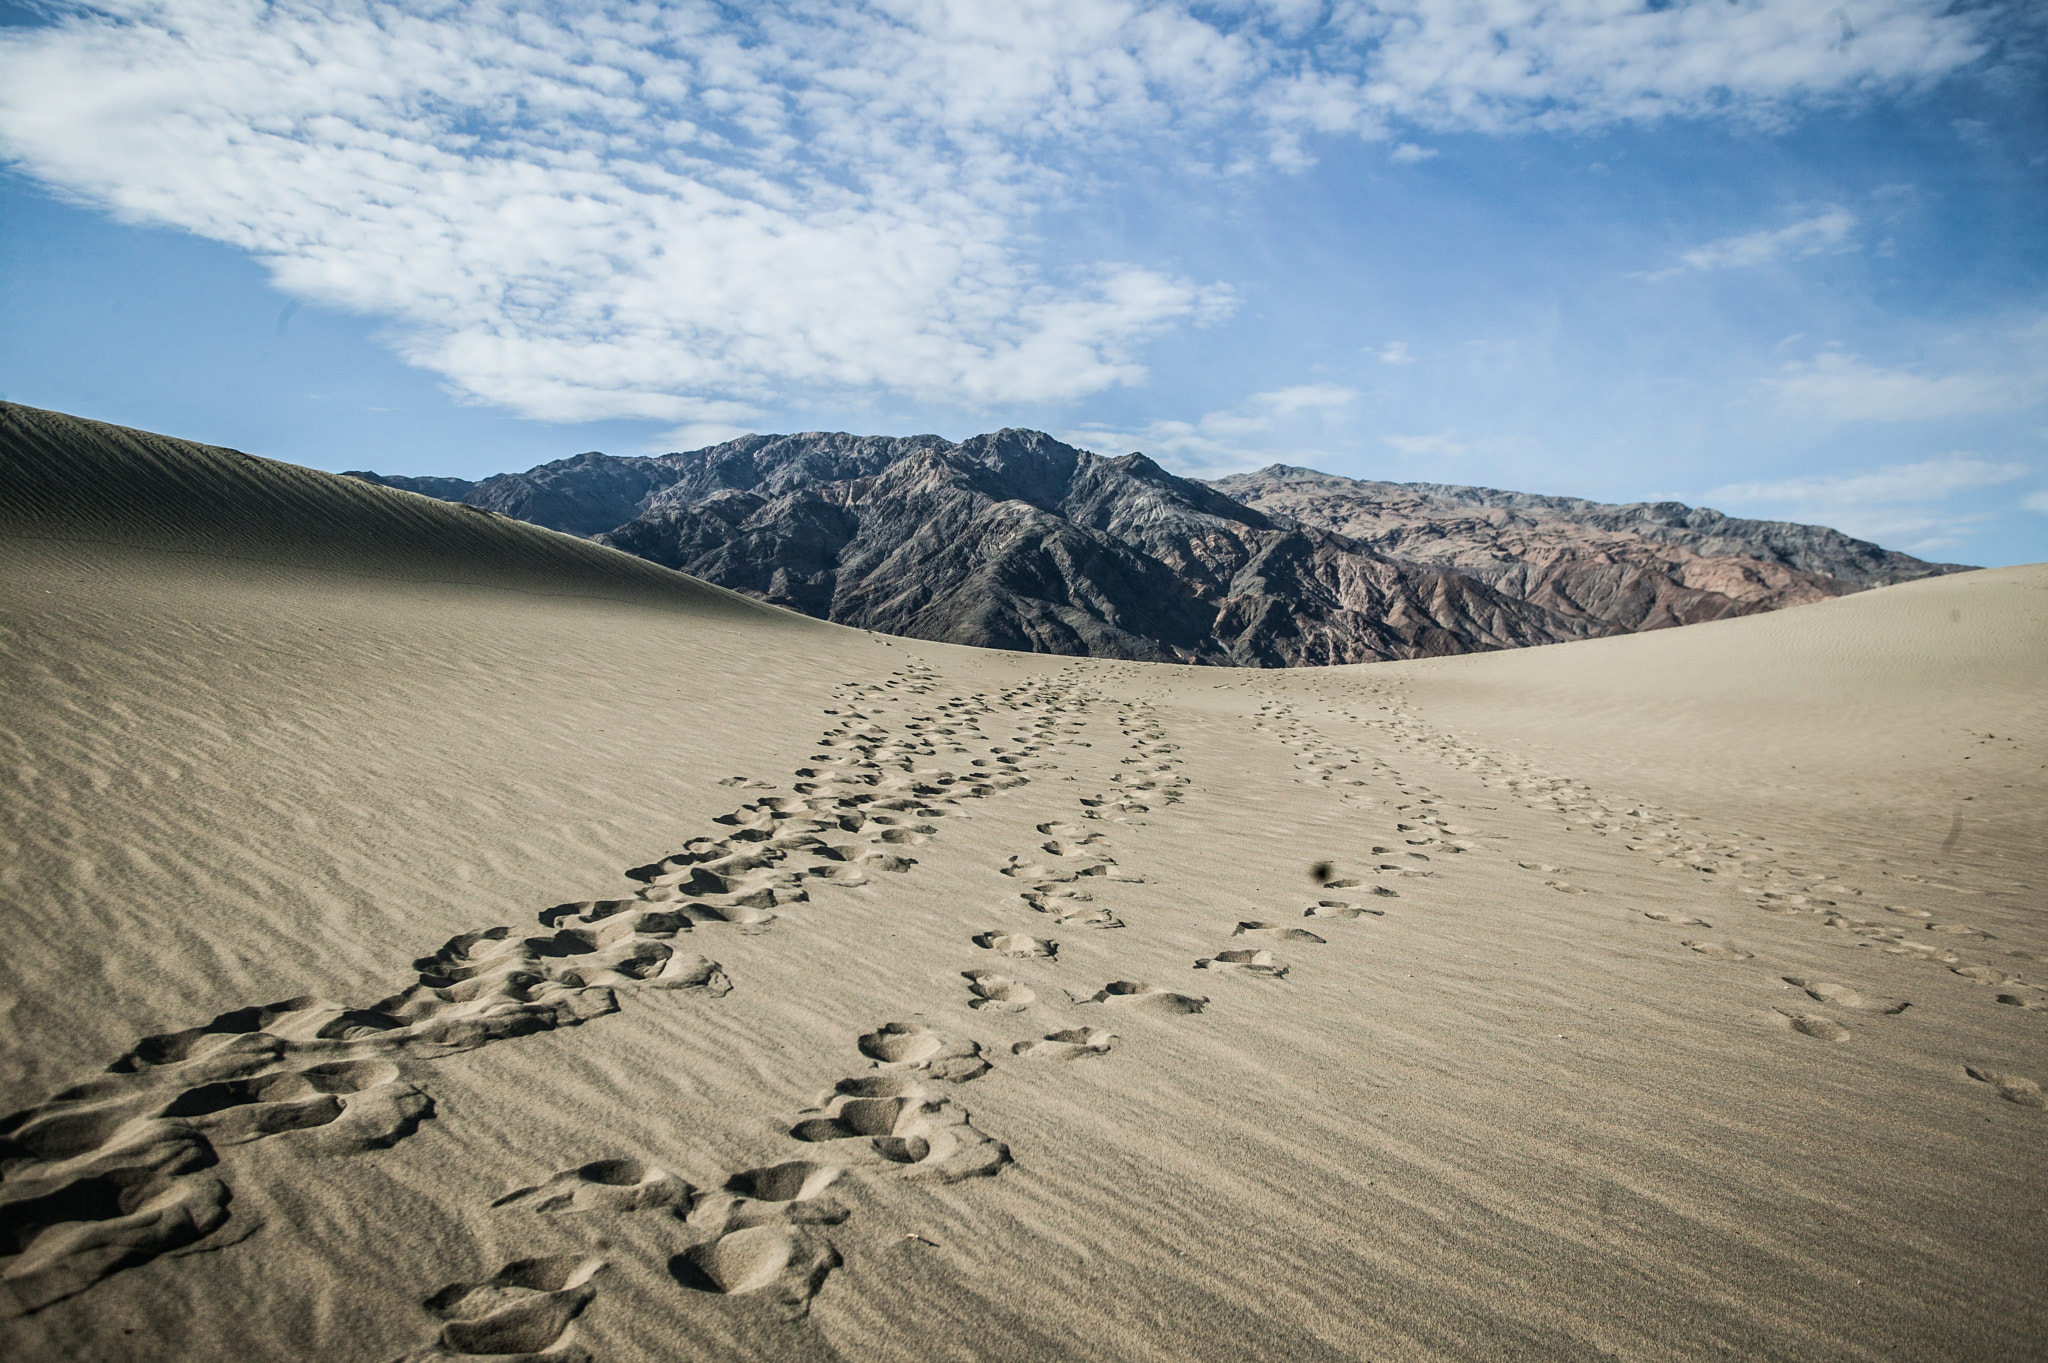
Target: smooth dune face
x=601 y=965
x=1903 y=723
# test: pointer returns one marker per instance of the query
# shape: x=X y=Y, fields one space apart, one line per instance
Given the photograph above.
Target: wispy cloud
x=1927 y=480
x=1283 y=403
x=1897 y=504
x=682 y=210
x=1224 y=440
x=1444 y=444
x=1819 y=234
x=1571 y=64
x=1836 y=386
x=2036 y=501
x=695 y=435
x=1394 y=352
x=1407 y=153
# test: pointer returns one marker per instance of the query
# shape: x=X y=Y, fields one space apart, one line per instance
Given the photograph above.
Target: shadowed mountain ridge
x=1016 y=540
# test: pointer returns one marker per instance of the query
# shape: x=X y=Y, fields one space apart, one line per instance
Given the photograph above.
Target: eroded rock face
x=1646 y=565
x=1015 y=540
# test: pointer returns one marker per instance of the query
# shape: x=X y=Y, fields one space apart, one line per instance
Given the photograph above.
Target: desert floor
x=1673 y=996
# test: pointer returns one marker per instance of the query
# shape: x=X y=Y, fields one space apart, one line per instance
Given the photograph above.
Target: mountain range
x=1015 y=540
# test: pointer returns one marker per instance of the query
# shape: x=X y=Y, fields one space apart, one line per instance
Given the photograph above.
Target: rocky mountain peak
x=1014 y=539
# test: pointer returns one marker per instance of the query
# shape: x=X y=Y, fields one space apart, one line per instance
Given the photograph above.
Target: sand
x=1672 y=996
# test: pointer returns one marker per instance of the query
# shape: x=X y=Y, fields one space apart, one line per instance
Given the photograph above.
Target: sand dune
x=429 y=936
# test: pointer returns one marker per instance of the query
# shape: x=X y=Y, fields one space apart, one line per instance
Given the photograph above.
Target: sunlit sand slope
x=430 y=937
x=1905 y=718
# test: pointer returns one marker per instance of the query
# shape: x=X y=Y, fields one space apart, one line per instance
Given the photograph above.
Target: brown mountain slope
x=1635 y=567
x=1014 y=540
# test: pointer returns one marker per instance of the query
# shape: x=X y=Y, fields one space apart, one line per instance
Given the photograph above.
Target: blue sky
x=1788 y=258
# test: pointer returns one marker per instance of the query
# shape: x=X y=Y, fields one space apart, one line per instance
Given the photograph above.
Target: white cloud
x=1394 y=352
x=1283 y=403
x=1579 y=63
x=640 y=212
x=2036 y=501
x=695 y=436
x=1841 y=387
x=1824 y=232
x=1928 y=480
x=1441 y=445
x=1408 y=153
x=1216 y=442
x=677 y=210
x=1897 y=504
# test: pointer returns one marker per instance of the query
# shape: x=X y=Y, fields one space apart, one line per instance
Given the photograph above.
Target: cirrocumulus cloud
x=681 y=210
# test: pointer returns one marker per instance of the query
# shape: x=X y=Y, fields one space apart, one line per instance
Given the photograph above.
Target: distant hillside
x=1643 y=565
x=1015 y=540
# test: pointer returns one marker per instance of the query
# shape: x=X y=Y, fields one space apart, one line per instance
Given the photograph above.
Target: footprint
x=789 y=1261
x=1920 y=951
x=235 y=1111
x=1718 y=951
x=901 y=1122
x=132 y=1126
x=1036 y=872
x=103 y=1176
x=1017 y=945
x=2011 y=1087
x=1250 y=962
x=66 y=1232
x=1337 y=908
x=847 y=876
x=600 y=923
x=912 y=1045
x=1676 y=919
x=997 y=992
x=901 y=1043
x=790 y=1181
x=1076 y=1043
x=607 y=1185
x=1840 y=994
x=786 y=1194
x=1071 y=907
x=1076 y=847
x=619 y=943
x=1982 y=974
x=1814 y=1025
x=1280 y=931
x=301 y=1019
x=1136 y=993
x=523 y=1309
